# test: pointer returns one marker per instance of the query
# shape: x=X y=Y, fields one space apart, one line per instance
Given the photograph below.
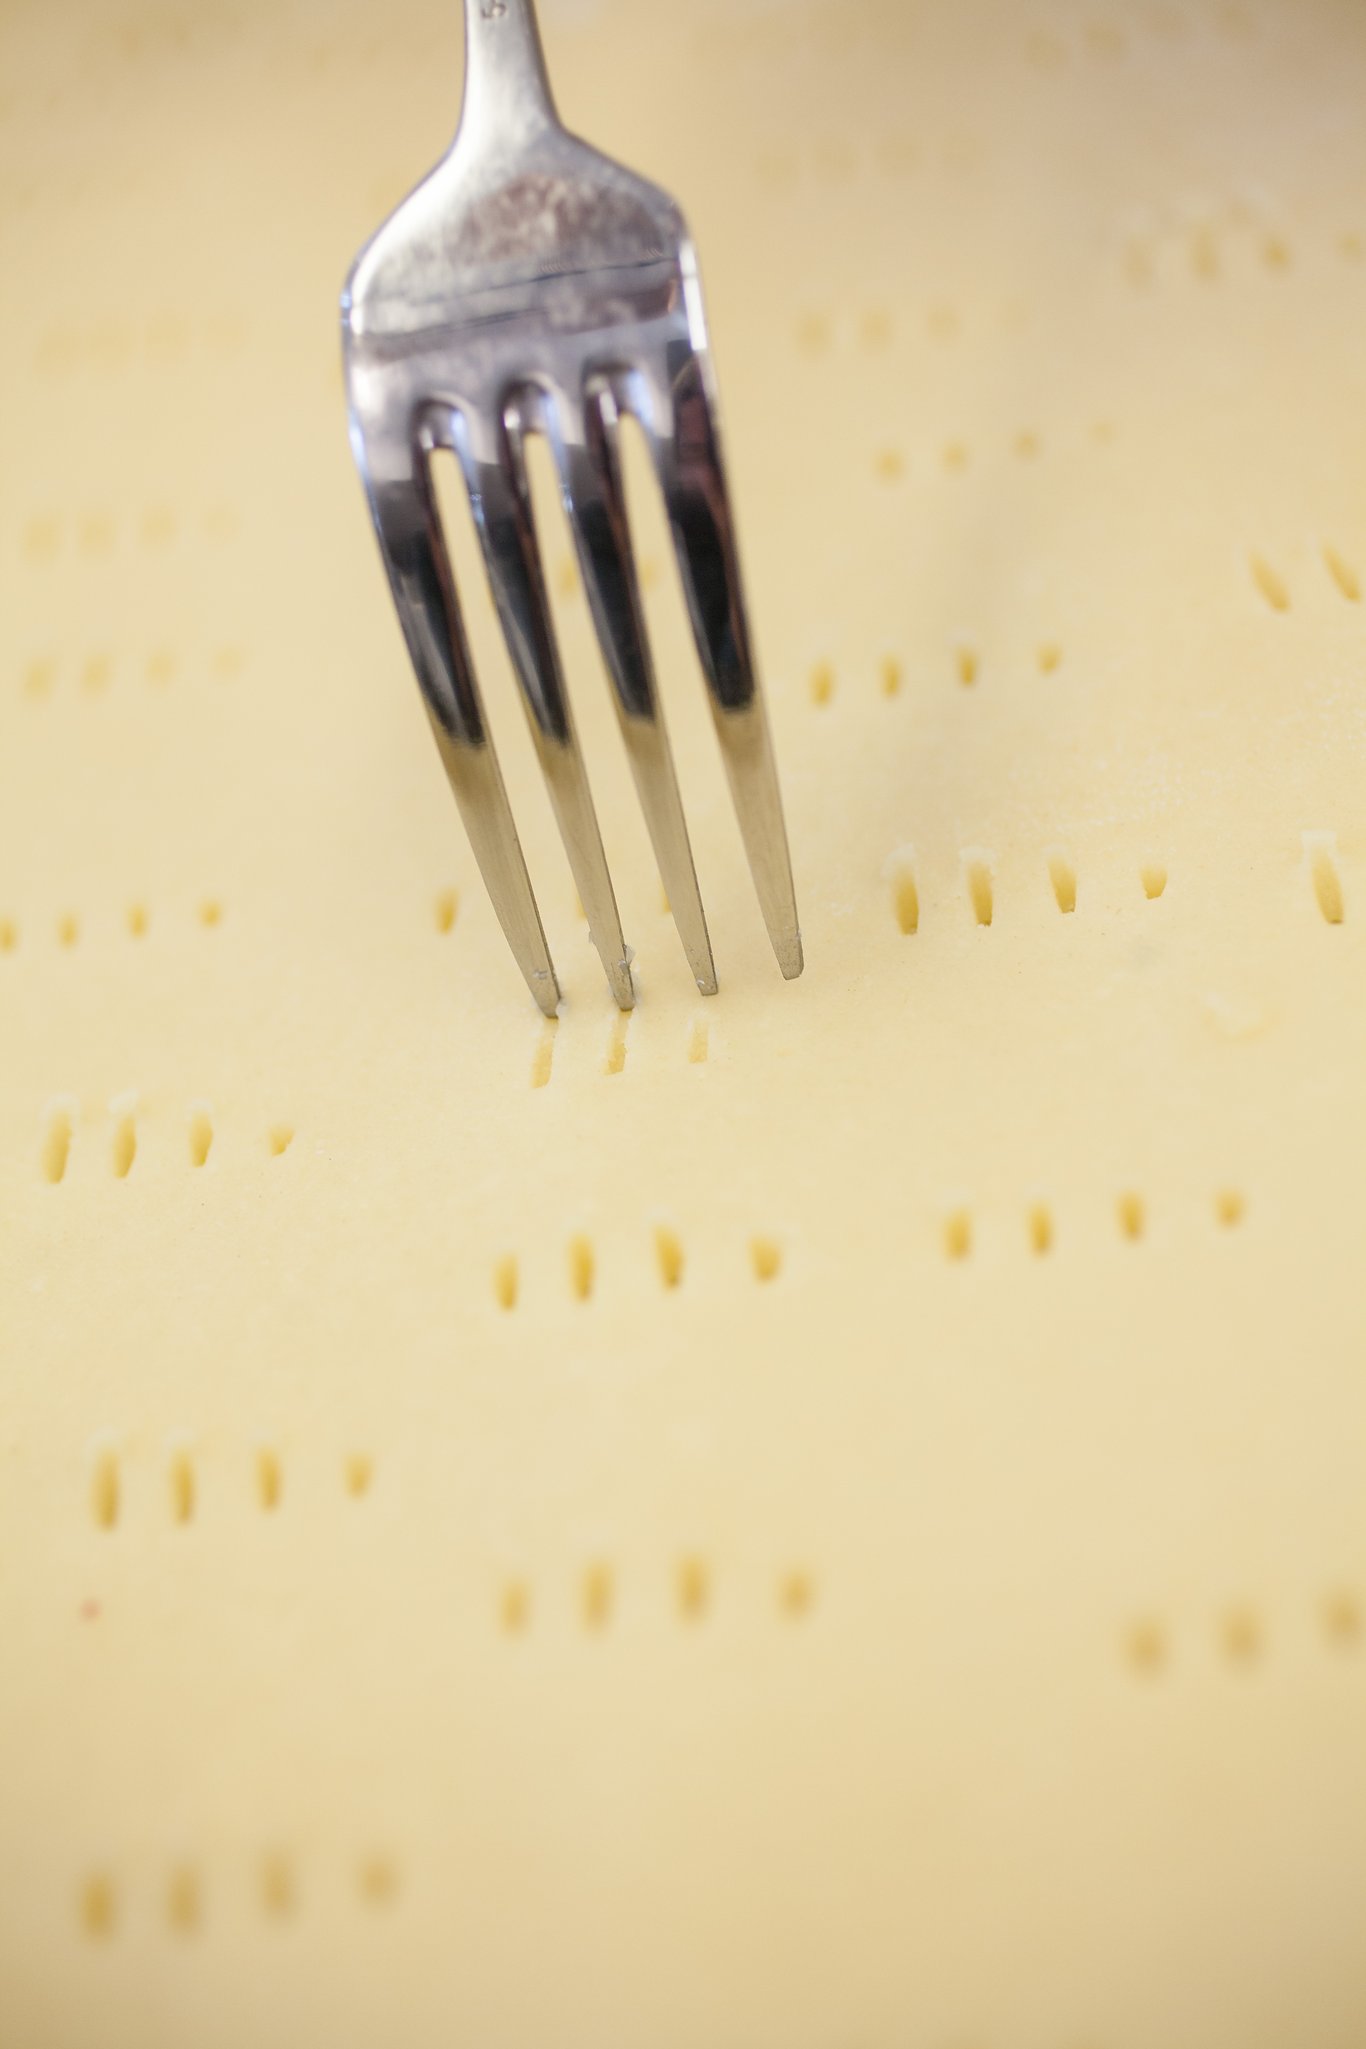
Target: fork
x=529 y=285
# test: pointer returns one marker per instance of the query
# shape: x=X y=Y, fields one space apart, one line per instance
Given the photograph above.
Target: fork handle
x=507 y=89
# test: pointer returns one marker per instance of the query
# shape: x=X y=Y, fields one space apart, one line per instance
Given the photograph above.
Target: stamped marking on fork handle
x=494 y=10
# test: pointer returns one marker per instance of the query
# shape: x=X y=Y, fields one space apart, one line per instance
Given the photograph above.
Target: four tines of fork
x=532 y=286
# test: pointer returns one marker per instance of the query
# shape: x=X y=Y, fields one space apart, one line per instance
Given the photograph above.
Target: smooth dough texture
x=827 y=1518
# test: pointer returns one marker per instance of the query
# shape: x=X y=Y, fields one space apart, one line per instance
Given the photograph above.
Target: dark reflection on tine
x=406 y=523
x=590 y=470
x=496 y=475
x=687 y=450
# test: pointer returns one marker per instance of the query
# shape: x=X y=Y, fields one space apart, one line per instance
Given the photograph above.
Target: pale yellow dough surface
x=831 y=1518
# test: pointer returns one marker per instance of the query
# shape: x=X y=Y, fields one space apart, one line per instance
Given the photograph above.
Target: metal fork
x=530 y=285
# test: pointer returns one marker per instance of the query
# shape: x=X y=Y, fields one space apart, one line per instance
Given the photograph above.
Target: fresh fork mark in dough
x=57 y=1144
x=125 y=1148
x=377 y=1879
x=1241 y=1633
x=184 y=1900
x=505 y=1282
x=1040 y=1223
x=1343 y=574
x=669 y=1254
x=615 y=1059
x=900 y=872
x=201 y=1137
x=278 y=1885
x=977 y=870
x=105 y=1489
x=694 y=1589
x=99 y=1906
x=582 y=1268
x=1323 y=874
x=597 y=1595
x=1063 y=877
x=182 y=1487
x=1271 y=585
x=544 y=1059
x=958 y=1234
x=766 y=1258
x=796 y=1594
x=1147 y=1647
x=1342 y=1620
x=270 y=1479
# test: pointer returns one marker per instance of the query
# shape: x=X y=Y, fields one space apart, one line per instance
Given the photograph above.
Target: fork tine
x=501 y=497
x=406 y=522
x=590 y=472
x=687 y=448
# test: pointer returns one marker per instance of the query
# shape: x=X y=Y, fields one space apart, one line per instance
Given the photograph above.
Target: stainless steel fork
x=530 y=285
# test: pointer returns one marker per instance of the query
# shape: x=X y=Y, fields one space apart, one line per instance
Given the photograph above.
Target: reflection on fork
x=531 y=286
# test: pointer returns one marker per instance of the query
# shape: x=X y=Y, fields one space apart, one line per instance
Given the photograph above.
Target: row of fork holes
x=1241 y=1635
x=47 y=535
x=1204 y=244
x=765 y=1264
x=694 y=1593
x=766 y=1255
x=137 y=923
x=822 y=683
x=955 y=457
x=1131 y=1220
x=184 y=1900
x=182 y=1484
x=59 y=1139
x=980 y=884
x=696 y=1046
x=979 y=879
x=93 y=674
x=446 y=910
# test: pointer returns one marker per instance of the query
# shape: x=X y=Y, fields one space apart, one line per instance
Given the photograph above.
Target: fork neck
x=507 y=91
